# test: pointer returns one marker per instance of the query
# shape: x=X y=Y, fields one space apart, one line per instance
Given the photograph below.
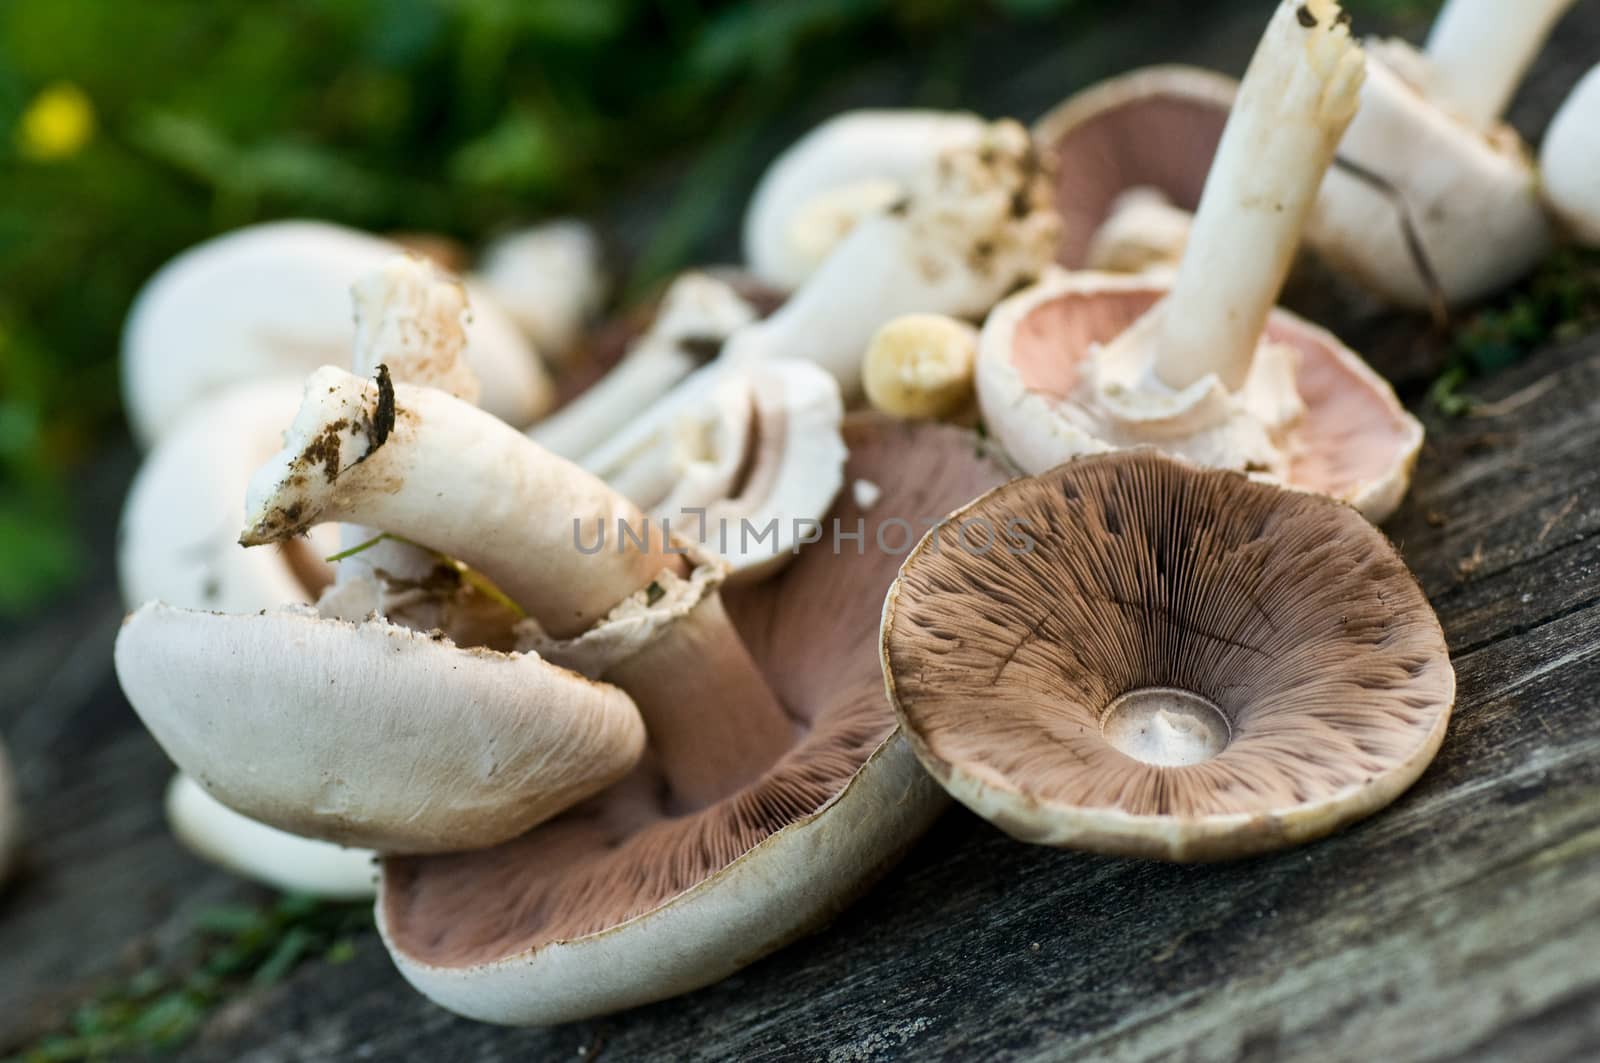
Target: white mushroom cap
x=1570 y=161
x=1471 y=198
x=181 y=520
x=551 y=278
x=10 y=819
x=1145 y=231
x=274 y=299
x=746 y=474
x=264 y=854
x=850 y=166
x=371 y=734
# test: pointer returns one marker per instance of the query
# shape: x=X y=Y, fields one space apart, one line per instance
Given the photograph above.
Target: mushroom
x=1203 y=367
x=551 y=279
x=372 y=733
x=1570 y=159
x=749 y=474
x=255 y=851
x=920 y=366
x=1130 y=157
x=645 y=892
x=10 y=821
x=1438 y=200
x=1175 y=662
x=853 y=165
x=270 y=299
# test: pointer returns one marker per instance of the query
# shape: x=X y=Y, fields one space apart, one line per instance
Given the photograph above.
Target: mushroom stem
x=1480 y=49
x=713 y=721
x=410 y=318
x=698 y=313
x=1299 y=93
x=423 y=464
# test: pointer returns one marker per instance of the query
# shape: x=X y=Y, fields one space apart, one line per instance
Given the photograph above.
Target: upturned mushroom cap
x=180 y=522
x=275 y=299
x=634 y=897
x=369 y=734
x=1569 y=160
x=1156 y=127
x=746 y=472
x=1354 y=441
x=1469 y=197
x=264 y=854
x=1178 y=663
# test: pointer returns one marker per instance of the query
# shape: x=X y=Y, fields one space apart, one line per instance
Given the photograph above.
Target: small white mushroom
x=551 y=278
x=920 y=366
x=853 y=165
x=264 y=854
x=273 y=299
x=1438 y=198
x=747 y=474
x=1570 y=161
x=696 y=316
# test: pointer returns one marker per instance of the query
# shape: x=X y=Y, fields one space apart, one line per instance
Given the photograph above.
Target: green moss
x=232 y=949
x=1560 y=301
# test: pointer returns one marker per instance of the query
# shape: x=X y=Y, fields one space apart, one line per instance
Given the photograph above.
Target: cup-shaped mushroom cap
x=1155 y=127
x=1178 y=663
x=371 y=734
x=630 y=899
x=265 y=854
x=1354 y=442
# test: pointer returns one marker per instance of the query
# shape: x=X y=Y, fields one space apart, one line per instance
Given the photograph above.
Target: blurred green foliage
x=129 y=131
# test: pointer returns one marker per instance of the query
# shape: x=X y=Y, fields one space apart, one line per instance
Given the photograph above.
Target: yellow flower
x=57 y=124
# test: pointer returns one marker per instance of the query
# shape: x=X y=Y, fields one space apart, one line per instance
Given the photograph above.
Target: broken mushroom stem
x=920 y=366
x=1298 y=95
x=411 y=324
x=419 y=463
x=1480 y=50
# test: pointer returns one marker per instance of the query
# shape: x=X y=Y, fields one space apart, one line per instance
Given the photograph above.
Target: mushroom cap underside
x=1354 y=442
x=1287 y=613
x=622 y=900
x=1155 y=127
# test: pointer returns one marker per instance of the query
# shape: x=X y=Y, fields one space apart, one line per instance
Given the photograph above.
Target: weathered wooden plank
x=1464 y=922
